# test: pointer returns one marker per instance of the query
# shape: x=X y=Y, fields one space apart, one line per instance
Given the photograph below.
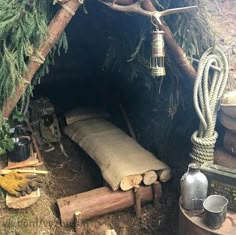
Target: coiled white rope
x=207 y=93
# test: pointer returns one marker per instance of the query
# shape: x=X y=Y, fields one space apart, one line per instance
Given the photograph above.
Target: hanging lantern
x=158 y=54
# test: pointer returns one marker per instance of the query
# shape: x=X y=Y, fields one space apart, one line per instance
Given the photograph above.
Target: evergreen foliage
x=23 y=27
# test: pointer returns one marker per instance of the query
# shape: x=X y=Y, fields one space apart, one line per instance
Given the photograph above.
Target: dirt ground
x=221 y=17
x=78 y=173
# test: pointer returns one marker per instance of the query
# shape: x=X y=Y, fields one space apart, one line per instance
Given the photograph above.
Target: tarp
x=116 y=154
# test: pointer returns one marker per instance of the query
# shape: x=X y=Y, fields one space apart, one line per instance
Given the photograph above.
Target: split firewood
x=130 y=182
x=5 y=172
x=23 y=201
x=26 y=163
x=164 y=175
x=149 y=177
x=110 y=232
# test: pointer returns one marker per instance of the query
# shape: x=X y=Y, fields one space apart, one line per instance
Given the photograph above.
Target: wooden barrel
x=191 y=223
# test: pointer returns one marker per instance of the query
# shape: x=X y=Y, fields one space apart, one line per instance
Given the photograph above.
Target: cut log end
x=164 y=175
x=130 y=182
x=149 y=177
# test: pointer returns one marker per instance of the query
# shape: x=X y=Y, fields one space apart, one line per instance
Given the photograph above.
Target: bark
x=99 y=202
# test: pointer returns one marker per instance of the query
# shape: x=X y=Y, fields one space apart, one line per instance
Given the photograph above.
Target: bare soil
x=77 y=174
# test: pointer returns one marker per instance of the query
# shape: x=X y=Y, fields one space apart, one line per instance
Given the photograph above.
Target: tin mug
x=215 y=207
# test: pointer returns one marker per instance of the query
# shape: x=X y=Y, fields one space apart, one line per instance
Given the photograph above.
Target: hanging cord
x=207 y=93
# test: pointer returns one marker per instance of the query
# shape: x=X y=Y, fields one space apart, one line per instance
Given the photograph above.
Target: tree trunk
x=55 y=29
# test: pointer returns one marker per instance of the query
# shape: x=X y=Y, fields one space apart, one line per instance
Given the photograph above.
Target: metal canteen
x=194 y=185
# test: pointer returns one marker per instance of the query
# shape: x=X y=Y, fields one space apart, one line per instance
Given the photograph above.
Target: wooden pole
x=55 y=29
x=138 y=208
x=35 y=144
x=99 y=202
x=156 y=189
x=78 y=223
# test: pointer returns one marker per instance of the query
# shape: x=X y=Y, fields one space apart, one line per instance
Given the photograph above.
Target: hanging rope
x=206 y=96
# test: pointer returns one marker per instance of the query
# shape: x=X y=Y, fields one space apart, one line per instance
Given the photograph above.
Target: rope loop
x=207 y=93
x=71 y=12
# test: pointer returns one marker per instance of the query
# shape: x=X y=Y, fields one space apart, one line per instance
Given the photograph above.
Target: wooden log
x=164 y=175
x=230 y=142
x=78 y=223
x=24 y=201
x=99 y=202
x=130 y=182
x=149 y=177
x=223 y=158
x=138 y=208
x=156 y=190
x=55 y=29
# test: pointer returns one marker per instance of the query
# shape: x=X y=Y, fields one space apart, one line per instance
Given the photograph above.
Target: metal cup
x=215 y=207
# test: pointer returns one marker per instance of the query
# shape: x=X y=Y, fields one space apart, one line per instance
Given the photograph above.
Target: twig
x=137 y=49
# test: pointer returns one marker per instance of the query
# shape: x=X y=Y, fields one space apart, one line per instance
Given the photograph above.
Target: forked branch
x=156 y=15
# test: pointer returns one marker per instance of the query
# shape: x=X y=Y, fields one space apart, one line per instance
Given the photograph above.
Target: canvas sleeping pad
x=116 y=154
